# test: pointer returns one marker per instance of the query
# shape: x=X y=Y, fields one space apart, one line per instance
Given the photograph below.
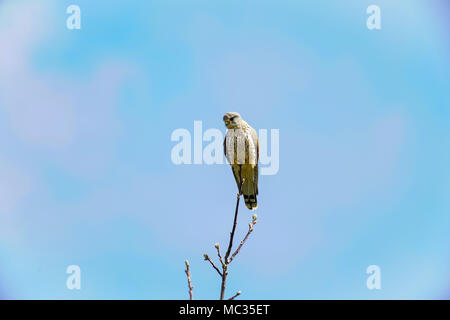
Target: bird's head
x=232 y=120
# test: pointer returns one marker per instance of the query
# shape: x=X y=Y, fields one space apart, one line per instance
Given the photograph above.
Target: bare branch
x=250 y=230
x=224 y=281
x=218 y=253
x=237 y=294
x=230 y=244
x=188 y=274
x=207 y=258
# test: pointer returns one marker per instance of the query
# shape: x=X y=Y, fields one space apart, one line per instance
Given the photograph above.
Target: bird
x=241 y=148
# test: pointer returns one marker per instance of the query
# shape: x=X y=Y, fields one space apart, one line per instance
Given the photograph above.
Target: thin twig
x=230 y=244
x=207 y=258
x=218 y=253
x=237 y=294
x=250 y=230
x=188 y=274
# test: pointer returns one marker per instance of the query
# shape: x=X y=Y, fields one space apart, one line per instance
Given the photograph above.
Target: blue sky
x=86 y=118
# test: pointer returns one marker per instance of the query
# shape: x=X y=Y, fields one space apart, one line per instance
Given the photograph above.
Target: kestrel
x=241 y=148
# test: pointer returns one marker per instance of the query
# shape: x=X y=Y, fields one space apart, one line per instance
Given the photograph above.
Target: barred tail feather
x=250 y=201
x=249 y=192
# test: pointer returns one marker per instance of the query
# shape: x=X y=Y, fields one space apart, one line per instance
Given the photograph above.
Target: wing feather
x=255 y=169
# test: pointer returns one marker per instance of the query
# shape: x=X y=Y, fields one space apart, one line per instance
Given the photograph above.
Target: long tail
x=249 y=190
